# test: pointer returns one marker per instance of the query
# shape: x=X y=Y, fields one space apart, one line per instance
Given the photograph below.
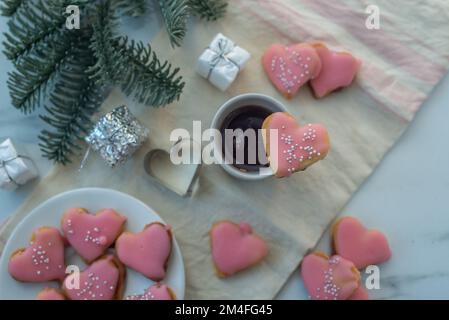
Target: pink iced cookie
x=338 y=70
x=359 y=294
x=235 y=247
x=146 y=252
x=292 y=148
x=290 y=67
x=102 y=280
x=42 y=260
x=50 y=294
x=327 y=278
x=354 y=242
x=91 y=234
x=157 y=291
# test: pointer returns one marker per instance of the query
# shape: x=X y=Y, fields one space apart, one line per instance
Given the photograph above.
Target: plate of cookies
x=92 y=244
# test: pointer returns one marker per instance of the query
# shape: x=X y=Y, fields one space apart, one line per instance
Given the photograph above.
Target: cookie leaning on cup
x=290 y=147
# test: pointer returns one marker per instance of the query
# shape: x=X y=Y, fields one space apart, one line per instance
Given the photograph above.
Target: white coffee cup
x=244 y=100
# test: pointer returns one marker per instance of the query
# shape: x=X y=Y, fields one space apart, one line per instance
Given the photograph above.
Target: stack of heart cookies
x=338 y=277
x=92 y=237
x=291 y=67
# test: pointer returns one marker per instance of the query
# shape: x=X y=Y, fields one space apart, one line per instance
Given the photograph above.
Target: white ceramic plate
x=50 y=213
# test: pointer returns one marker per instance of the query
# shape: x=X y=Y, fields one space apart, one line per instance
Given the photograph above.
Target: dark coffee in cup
x=243 y=156
x=242 y=141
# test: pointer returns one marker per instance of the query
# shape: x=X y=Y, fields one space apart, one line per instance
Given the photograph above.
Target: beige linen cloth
x=402 y=62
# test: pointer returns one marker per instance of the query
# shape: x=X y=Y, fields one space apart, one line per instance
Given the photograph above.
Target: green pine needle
x=132 y=65
x=70 y=70
x=209 y=10
x=75 y=99
x=133 y=8
x=33 y=24
x=36 y=72
x=175 y=14
x=101 y=44
x=144 y=76
x=10 y=7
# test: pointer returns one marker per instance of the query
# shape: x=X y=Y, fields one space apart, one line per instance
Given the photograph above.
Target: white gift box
x=222 y=61
x=15 y=167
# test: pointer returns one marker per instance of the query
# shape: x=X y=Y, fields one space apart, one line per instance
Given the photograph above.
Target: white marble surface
x=407 y=196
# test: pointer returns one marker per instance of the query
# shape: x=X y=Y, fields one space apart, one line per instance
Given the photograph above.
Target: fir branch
x=133 y=8
x=103 y=71
x=10 y=7
x=133 y=66
x=209 y=10
x=175 y=14
x=78 y=65
x=36 y=22
x=144 y=76
x=75 y=99
x=36 y=72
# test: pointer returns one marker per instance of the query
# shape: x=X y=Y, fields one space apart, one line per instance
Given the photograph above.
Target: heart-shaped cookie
x=102 y=280
x=178 y=177
x=292 y=148
x=327 y=278
x=91 y=235
x=157 y=291
x=50 y=294
x=235 y=247
x=146 y=252
x=290 y=67
x=354 y=242
x=42 y=260
x=359 y=294
x=338 y=70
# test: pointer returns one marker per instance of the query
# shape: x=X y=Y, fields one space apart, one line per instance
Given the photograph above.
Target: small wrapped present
x=117 y=135
x=16 y=168
x=221 y=62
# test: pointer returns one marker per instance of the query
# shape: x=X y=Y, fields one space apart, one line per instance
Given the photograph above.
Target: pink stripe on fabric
x=370 y=79
x=245 y=6
x=381 y=104
x=307 y=32
x=382 y=43
x=294 y=17
x=409 y=100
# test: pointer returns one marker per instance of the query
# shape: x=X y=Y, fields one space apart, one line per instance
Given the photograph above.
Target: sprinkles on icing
x=42 y=260
x=290 y=67
x=99 y=281
x=333 y=278
x=157 y=291
x=91 y=234
x=296 y=147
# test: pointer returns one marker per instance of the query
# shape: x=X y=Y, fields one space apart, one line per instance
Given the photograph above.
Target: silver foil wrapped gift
x=117 y=135
x=16 y=168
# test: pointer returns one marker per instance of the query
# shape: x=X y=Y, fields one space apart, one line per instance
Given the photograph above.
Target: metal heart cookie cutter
x=180 y=176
